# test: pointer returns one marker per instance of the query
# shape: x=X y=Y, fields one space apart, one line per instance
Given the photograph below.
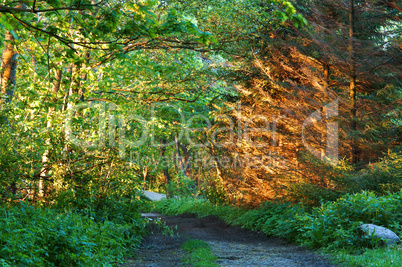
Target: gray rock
x=383 y=233
x=154 y=196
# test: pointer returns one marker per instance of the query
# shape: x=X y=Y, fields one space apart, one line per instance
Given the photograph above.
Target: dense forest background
x=235 y=103
x=242 y=103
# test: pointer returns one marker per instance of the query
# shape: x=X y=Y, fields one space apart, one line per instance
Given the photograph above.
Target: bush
x=382 y=177
x=335 y=224
x=311 y=194
x=199 y=206
x=44 y=237
x=182 y=186
x=100 y=207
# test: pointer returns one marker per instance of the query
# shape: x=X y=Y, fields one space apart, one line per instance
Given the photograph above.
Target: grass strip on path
x=199 y=254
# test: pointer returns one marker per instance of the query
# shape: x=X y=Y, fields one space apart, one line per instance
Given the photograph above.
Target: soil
x=233 y=246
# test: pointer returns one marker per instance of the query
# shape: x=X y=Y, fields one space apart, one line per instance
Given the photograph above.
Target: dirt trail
x=232 y=245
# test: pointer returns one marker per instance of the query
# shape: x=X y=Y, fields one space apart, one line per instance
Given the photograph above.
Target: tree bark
x=187 y=161
x=219 y=173
x=9 y=68
x=67 y=94
x=165 y=167
x=352 y=80
x=56 y=85
x=45 y=156
x=323 y=132
x=144 y=175
x=326 y=77
x=179 y=157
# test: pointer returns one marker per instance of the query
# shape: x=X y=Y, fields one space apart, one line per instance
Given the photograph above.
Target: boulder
x=383 y=233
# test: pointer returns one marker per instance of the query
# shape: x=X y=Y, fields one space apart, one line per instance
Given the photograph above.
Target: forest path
x=233 y=246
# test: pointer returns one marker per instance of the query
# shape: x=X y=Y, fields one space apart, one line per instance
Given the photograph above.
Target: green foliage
x=382 y=257
x=44 y=237
x=156 y=225
x=194 y=244
x=199 y=206
x=174 y=206
x=214 y=191
x=311 y=194
x=130 y=55
x=121 y=209
x=382 y=177
x=277 y=219
x=199 y=254
x=182 y=186
x=89 y=216
x=335 y=224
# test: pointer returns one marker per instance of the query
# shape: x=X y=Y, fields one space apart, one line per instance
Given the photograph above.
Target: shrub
x=101 y=207
x=44 y=237
x=381 y=178
x=335 y=224
x=182 y=186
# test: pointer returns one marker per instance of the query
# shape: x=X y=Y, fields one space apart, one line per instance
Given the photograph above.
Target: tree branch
x=6 y=9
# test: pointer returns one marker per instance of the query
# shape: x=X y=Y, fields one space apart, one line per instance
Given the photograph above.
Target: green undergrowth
x=199 y=206
x=32 y=236
x=380 y=257
x=199 y=254
x=332 y=226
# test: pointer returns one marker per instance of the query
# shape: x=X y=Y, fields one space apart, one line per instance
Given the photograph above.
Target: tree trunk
x=81 y=90
x=9 y=68
x=45 y=156
x=165 y=167
x=8 y=74
x=352 y=80
x=323 y=118
x=179 y=158
x=144 y=174
x=56 y=85
x=326 y=77
x=187 y=161
x=34 y=65
x=67 y=94
x=218 y=168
